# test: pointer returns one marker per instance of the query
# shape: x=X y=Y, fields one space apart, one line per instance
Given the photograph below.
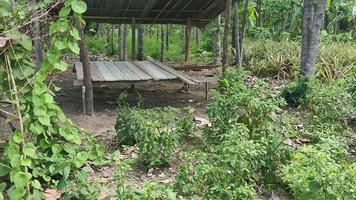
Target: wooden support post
x=162 y=43
x=188 y=30
x=167 y=37
x=123 y=42
x=84 y=58
x=140 y=42
x=133 y=40
x=206 y=90
x=119 y=49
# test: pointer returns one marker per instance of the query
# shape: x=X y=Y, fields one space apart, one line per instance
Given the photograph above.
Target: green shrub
x=227 y=171
x=295 y=93
x=324 y=104
x=321 y=172
x=252 y=105
x=156 y=131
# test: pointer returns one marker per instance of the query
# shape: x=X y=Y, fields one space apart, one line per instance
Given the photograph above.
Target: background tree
x=313 y=17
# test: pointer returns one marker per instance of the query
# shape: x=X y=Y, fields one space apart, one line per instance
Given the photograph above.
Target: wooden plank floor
x=126 y=71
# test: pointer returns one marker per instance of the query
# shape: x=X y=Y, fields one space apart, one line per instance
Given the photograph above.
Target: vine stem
x=18 y=110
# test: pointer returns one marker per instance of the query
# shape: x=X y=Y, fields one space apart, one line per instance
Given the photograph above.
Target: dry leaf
x=202 y=121
x=52 y=194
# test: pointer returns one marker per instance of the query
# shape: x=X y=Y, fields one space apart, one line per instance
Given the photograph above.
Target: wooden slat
x=154 y=71
x=108 y=76
x=79 y=70
x=154 y=76
x=121 y=65
x=95 y=73
x=165 y=74
x=181 y=76
x=138 y=71
x=115 y=71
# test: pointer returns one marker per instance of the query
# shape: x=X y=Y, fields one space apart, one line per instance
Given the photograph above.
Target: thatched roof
x=200 y=12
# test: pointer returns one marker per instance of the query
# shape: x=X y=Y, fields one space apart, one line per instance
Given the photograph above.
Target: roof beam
x=148 y=6
x=164 y=8
x=127 y=7
x=185 y=6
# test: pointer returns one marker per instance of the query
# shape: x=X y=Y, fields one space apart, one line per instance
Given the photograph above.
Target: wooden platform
x=130 y=71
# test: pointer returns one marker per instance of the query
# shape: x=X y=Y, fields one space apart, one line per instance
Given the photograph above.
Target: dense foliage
x=157 y=132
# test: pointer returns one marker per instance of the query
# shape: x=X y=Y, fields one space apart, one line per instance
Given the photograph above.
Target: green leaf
x=30 y=150
x=69 y=148
x=26 y=43
x=4 y=170
x=18 y=137
x=79 y=6
x=73 y=46
x=61 y=66
x=60 y=45
x=27 y=162
x=45 y=120
x=39 y=88
x=48 y=98
x=2 y=187
x=40 y=110
x=15 y=161
x=21 y=179
x=36 y=184
x=15 y=193
x=75 y=34
x=35 y=195
x=64 y=11
x=56 y=149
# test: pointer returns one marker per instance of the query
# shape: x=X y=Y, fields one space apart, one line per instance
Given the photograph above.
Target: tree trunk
x=13 y=5
x=259 y=13
x=140 y=42
x=243 y=28
x=217 y=41
x=308 y=69
x=36 y=34
x=84 y=58
x=133 y=40
x=238 y=60
x=226 y=35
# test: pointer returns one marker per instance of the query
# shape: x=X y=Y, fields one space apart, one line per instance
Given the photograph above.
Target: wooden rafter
x=185 y=6
x=164 y=8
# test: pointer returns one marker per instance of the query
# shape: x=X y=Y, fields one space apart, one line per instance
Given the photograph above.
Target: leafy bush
x=243 y=144
x=295 y=93
x=321 y=172
x=327 y=103
x=253 y=105
x=156 y=131
x=227 y=171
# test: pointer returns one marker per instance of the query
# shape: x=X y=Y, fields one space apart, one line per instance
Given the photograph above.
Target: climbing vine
x=44 y=146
